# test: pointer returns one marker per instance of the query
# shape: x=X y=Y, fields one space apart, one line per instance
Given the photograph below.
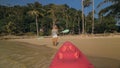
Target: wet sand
x=103 y=52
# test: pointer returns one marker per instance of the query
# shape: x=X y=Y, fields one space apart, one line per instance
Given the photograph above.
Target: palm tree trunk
x=66 y=22
x=37 y=26
x=73 y=26
x=54 y=18
x=53 y=22
x=101 y=17
x=78 y=25
x=83 y=28
x=93 y=18
x=85 y=24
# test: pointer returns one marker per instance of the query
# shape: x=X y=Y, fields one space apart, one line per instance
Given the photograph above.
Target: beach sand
x=103 y=52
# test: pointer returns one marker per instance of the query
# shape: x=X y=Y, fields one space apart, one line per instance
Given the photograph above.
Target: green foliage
x=21 y=20
x=10 y=27
x=106 y=26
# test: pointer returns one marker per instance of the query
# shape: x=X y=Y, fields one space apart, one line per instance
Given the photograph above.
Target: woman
x=54 y=35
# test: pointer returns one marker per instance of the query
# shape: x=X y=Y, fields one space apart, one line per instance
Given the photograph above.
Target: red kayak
x=69 y=56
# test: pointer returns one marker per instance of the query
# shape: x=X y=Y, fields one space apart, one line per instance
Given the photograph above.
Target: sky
x=71 y=3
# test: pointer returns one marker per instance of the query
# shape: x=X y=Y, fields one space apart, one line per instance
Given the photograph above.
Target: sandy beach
x=103 y=52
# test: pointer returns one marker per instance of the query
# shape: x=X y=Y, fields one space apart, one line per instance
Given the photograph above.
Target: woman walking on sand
x=54 y=35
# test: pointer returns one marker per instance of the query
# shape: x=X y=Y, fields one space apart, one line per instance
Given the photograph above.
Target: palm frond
x=106 y=1
x=112 y=10
x=105 y=10
x=87 y=3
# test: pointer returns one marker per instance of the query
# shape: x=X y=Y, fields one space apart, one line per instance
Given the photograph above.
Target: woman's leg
x=56 y=41
x=53 y=40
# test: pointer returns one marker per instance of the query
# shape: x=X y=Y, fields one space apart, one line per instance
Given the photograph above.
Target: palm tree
x=78 y=20
x=83 y=26
x=93 y=17
x=89 y=21
x=112 y=9
x=53 y=15
x=85 y=3
x=36 y=14
x=51 y=12
x=65 y=14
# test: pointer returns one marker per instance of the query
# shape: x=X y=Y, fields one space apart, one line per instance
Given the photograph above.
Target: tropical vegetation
x=38 y=19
